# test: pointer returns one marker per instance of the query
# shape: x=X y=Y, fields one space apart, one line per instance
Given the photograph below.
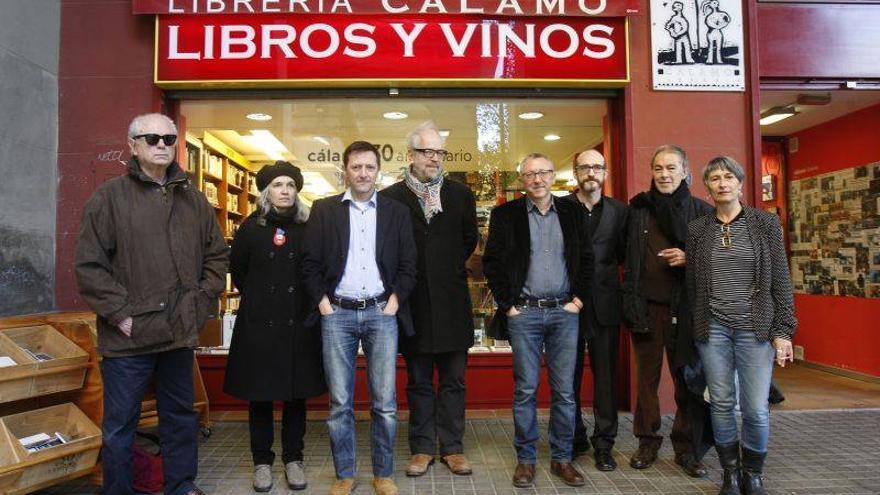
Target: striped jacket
x=772 y=295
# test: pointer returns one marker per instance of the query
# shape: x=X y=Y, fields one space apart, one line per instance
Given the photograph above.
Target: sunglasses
x=153 y=139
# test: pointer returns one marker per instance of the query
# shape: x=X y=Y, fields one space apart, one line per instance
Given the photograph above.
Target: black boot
x=752 y=473
x=728 y=455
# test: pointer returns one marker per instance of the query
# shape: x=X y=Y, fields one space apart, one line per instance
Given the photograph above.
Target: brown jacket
x=154 y=253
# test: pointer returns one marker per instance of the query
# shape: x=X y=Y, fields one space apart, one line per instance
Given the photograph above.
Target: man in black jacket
x=605 y=220
x=655 y=306
x=444 y=223
x=538 y=264
x=359 y=266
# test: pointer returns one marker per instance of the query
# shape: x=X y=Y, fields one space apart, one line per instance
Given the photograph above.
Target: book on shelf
x=6 y=361
x=228 y=326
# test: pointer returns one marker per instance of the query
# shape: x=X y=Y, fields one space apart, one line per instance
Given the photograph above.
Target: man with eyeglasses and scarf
x=150 y=261
x=444 y=225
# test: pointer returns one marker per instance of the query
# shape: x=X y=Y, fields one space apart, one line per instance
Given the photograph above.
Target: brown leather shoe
x=524 y=475
x=384 y=486
x=457 y=464
x=419 y=464
x=342 y=486
x=567 y=472
x=644 y=457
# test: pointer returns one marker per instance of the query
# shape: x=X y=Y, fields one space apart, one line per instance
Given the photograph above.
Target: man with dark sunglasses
x=150 y=261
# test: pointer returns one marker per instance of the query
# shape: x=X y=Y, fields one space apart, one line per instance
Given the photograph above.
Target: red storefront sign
x=352 y=50
x=606 y=8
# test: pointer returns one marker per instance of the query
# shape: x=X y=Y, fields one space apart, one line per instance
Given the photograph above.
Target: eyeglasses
x=153 y=139
x=432 y=153
x=589 y=168
x=544 y=174
x=726 y=235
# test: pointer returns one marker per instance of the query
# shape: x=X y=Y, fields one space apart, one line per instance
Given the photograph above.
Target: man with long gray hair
x=150 y=261
x=444 y=223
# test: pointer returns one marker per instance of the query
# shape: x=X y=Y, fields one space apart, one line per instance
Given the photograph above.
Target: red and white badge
x=279 y=238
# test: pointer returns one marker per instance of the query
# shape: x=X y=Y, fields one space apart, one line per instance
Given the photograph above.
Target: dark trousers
x=649 y=348
x=603 y=347
x=125 y=380
x=262 y=426
x=436 y=416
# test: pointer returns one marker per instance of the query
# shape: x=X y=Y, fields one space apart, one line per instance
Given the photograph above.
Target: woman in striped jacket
x=743 y=310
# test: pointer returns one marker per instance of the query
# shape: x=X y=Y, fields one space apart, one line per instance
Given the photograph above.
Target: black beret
x=270 y=172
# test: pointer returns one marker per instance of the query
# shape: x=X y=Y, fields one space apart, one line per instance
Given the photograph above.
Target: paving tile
x=811 y=452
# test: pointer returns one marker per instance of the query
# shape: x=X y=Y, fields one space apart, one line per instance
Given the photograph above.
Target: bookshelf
x=228 y=180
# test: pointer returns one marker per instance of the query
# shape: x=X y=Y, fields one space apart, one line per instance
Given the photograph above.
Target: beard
x=590 y=185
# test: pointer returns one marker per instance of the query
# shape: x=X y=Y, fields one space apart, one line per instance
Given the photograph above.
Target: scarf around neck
x=671 y=211
x=427 y=192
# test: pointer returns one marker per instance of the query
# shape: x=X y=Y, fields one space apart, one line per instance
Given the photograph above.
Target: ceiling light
x=444 y=132
x=776 y=114
x=259 y=117
x=322 y=140
x=268 y=144
x=531 y=115
x=552 y=137
x=395 y=115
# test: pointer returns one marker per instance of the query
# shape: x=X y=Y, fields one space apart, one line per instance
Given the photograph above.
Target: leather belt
x=550 y=302
x=358 y=303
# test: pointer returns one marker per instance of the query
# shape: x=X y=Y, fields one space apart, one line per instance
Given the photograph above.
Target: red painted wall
x=105 y=79
x=836 y=330
x=819 y=40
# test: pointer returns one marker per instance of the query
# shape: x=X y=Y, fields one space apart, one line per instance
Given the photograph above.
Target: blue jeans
x=726 y=353
x=125 y=380
x=556 y=331
x=342 y=330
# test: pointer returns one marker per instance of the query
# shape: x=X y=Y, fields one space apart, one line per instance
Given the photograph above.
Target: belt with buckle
x=550 y=302
x=358 y=303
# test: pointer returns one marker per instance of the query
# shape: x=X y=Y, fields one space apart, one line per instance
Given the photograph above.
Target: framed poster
x=768 y=187
x=697 y=45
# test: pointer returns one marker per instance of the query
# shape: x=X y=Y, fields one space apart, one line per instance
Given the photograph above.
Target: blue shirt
x=547 y=276
x=361 y=278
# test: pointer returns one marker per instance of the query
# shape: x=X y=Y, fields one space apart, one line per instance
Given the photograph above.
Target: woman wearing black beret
x=273 y=355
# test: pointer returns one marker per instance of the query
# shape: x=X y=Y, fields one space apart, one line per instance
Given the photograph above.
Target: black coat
x=273 y=355
x=326 y=252
x=508 y=254
x=609 y=248
x=635 y=305
x=441 y=304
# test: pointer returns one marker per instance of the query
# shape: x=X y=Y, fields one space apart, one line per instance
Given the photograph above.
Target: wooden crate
x=65 y=371
x=15 y=381
x=27 y=472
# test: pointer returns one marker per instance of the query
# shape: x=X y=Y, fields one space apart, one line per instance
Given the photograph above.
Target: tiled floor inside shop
x=811 y=452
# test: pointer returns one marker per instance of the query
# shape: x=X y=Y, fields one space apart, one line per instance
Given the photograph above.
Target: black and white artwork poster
x=697 y=45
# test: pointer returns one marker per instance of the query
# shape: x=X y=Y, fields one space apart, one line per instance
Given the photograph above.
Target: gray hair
x=135 y=127
x=672 y=148
x=675 y=149
x=534 y=156
x=724 y=163
x=413 y=139
x=264 y=206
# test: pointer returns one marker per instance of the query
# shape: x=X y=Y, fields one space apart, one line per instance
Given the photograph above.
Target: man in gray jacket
x=150 y=261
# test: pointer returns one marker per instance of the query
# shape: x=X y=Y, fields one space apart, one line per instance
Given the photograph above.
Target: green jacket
x=154 y=253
